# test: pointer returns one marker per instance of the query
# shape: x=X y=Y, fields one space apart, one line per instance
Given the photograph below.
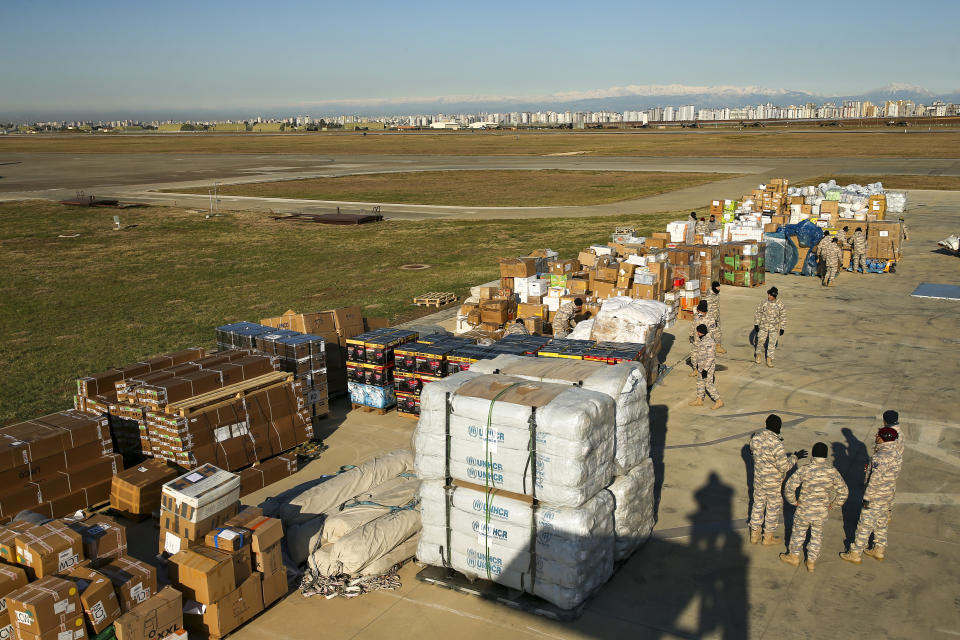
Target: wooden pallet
x=226 y=395
x=367 y=409
x=435 y=299
x=450 y=579
x=411 y=416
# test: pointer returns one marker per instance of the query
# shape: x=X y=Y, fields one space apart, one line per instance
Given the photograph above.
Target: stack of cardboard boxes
x=420 y=363
x=743 y=264
x=135 y=492
x=55 y=464
x=227 y=563
x=371 y=366
x=73 y=578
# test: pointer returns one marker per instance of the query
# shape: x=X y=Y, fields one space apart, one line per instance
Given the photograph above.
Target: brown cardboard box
x=46 y=608
x=534 y=325
x=531 y=310
x=564 y=267
x=518 y=267
x=656 y=243
x=100 y=604
x=487 y=293
x=466 y=309
x=137 y=489
x=603 y=289
x=155 y=619
x=8 y=542
x=265 y=532
x=202 y=574
x=46 y=549
x=587 y=258
x=227 y=539
x=196 y=530
x=607 y=274
x=200 y=493
x=349 y=321
x=263 y=474
x=11 y=579
x=644 y=291
x=134 y=580
x=48 y=435
x=496 y=311
x=770 y=227
x=171 y=543
x=578 y=285
x=830 y=206
x=229 y=613
x=103 y=537
x=274 y=586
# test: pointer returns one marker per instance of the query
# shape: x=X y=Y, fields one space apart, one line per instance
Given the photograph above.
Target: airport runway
x=140 y=177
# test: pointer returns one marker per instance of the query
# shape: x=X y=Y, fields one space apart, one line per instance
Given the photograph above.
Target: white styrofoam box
x=814 y=210
x=669 y=297
x=556 y=292
x=643 y=277
x=602 y=250
x=823 y=224
x=692 y=285
x=637 y=260
x=766 y=219
x=552 y=303
x=795 y=208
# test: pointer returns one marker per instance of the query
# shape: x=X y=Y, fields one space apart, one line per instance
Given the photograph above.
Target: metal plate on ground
x=498 y=593
x=938 y=291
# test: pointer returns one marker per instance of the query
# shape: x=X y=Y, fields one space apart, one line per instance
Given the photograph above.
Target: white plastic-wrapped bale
x=623 y=319
x=549 y=441
x=896 y=201
x=624 y=383
x=561 y=554
x=633 y=514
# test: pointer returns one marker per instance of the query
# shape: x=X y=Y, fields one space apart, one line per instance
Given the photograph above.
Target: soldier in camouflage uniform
x=713 y=314
x=859 y=244
x=842 y=237
x=769 y=321
x=882 y=473
x=903 y=230
x=700 y=317
x=832 y=254
x=713 y=225
x=704 y=354
x=770 y=465
x=891 y=420
x=821 y=488
x=518 y=328
x=818 y=251
x=564 y=321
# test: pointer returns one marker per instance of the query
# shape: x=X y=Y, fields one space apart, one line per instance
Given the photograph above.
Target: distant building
x=445 y=124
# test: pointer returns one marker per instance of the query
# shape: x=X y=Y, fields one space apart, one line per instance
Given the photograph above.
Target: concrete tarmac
x=140 y=177
x=849 y=352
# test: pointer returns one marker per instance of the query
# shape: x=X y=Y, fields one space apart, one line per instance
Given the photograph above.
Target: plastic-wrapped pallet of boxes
x=371 y=364
x=551 y=518
x=743 y=264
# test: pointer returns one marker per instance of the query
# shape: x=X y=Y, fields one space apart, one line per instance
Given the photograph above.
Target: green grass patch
x=520 y=188
x=70 y=306
x=768 y=143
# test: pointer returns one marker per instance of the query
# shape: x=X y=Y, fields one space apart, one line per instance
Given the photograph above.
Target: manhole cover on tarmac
x=415 y=267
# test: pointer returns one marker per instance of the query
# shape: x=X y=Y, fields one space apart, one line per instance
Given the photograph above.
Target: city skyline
x=218 y=57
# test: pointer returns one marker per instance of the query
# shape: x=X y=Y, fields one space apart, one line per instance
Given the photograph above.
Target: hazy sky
x=221 y=55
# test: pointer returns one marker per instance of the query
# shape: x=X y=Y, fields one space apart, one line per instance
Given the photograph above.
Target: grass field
x=753 y=143
x=72 y=306
x=944 y=183
x=479 y=188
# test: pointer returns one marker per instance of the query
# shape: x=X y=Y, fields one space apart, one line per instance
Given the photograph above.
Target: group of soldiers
x=829 y=252
x=706 y=339
x=821 y=488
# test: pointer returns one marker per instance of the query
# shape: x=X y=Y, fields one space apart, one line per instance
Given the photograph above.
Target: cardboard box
x=587 y=259
x=564 y=267
x=349 y=321
x=195 y=531
x=47 y=608
x=8 y=542
x=172 y=542
x=644 y=291
x=274 y=586
x=607 y=274
x=656 y=243
x=157 y=618
x=137 y=489
x=100 y=604
x=201 y=493
x=534 y=325
x=229 y=613
x=134 y=580
x=265 y=473
x=486 y=293
x=831 y=207
x=202 y=574
x=496 y=311
x=11 y=579
x=518 y=267
x=264 y=532
x=47 y=549
x=103 y=537
x=603 y=289
x=531 y=310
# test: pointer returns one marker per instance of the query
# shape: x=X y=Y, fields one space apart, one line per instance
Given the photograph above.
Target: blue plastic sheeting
x=939 y=291
x=781 y=254
x=808 y=235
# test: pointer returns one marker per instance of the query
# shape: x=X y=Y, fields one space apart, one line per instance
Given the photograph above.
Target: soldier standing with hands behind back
x=704 y=359
x=769 y=321
x=770 y=465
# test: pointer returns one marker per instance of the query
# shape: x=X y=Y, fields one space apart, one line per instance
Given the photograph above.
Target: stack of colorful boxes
x=371 y=365
x=743 y=264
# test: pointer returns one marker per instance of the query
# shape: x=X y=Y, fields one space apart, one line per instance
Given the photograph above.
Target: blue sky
x=103 y=54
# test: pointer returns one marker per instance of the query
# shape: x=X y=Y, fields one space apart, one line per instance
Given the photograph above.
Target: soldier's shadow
x=849 y=457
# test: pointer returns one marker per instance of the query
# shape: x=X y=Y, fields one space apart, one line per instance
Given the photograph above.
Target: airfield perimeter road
x=139 y=177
